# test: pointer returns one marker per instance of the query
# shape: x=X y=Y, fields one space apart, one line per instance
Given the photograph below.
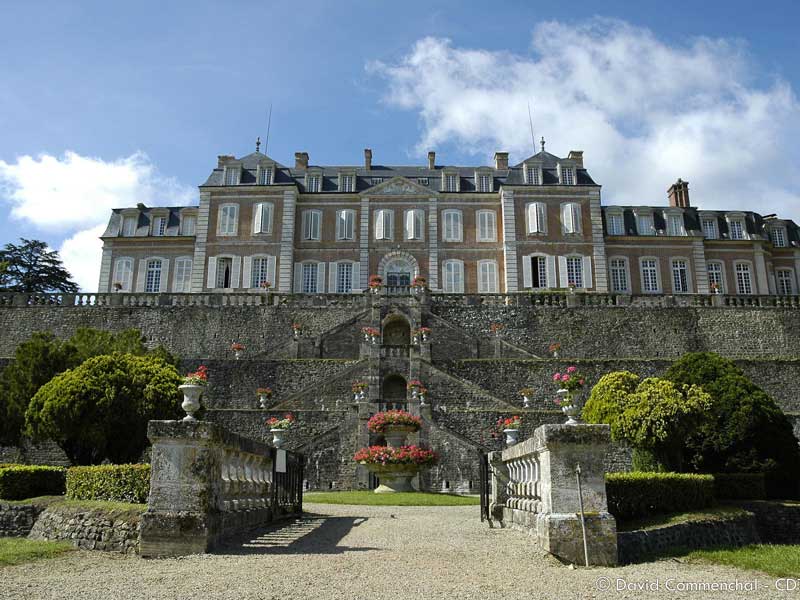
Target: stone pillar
x=499 y=475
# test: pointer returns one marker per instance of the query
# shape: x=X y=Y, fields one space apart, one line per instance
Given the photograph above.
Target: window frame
x=344 y=177
x=386 y=217
x=643 y=279
x=221 y=220
x=576 y=218
x=261 y=170
x=612 y=214
x=688 y=270
x=742 y=222
x=303 y=287
x=723 y=283
x=714 y=226
x=567 y=174
x=337 y=281
x=446 y=175
x=130 y=218
x=491 y=226
x=458 y=215
x=751 y=281
x=532 y=174
x=232 y=175
x=454 y=262
x=185 y=218
x=307 y=225
x=541 y=223
x=495 y=283
x=626 y=272
x=115 y=273
x=176 y=269
x=418 y=217
x=258 y=228
x=648 y=215
x=479 y=178
x=147 y=262
x=345 y=216
x=792 y=291
x=313 y=176
x=668 y=217
x=267 y=258
x=158 y=225
x=779 y=229
x=571 y=258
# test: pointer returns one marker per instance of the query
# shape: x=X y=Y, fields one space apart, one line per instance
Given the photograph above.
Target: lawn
x=717 y=513
x=396 y=499
x=14 y=551
x=778 y=561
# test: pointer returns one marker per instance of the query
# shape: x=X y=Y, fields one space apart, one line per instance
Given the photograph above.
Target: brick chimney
x=367 y=159
x=224 y=158
x=431 y=160
x=501 y=161
x=577 y=156
x=678 y=194
x=301 y=160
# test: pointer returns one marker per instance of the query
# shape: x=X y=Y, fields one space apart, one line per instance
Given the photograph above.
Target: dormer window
x=159 y=225
x=736 y=229
x=422 y=180
x=483 y=182
x=709 y=225
x=675 y=224
x=232 y=174
x=188 y=224
x=129 y=225
x=778 y=237
x=264 y=175
x=644 y=224
x=313 y=182
x=616 y=223
x=347 y=182
x=450 y=182
x=566 y=174
x=533 y=175
x=376 y=180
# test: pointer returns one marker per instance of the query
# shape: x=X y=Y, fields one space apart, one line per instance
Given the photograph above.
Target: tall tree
x=33 y=267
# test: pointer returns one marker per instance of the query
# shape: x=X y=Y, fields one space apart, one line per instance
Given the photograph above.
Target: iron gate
x=485 y=485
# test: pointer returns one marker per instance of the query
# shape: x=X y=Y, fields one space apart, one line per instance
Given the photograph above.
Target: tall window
x=129 y=226
x=484 y=183
x=450 y=182
x=571 y=217
x=736 y=229
x=575 y=271
x=567 y=176
x=159 y=225
x=539 y=272
x=262 y=217
x=384 y=224
x=716 y=281
x=537 y=217
x=453 y=230
x=232 y=175
x=152 y=282
x=619 y=275
x=312 y=223
x=453 y=277
x=228 y=219
x=487 y=277
x=487 y=226
x=415 y=221
x=785 y=280
x=123 y=273
x=710 y=228
x=532 y=175
x=778 y=237
x=744 y=279
x=347 y=183
x=644 y=224
x=260 y=271
x=188 y=224
x=344 y=277
x=680 y=276
x=183 y=275
x=309 y=278
x=650 y=275
x=345 y=224
x=265 y=176
x=313 y=183
x=616 y=224
x=224 y=272
x=675 y=225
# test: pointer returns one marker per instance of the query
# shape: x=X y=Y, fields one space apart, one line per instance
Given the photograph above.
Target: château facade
x=535 y=226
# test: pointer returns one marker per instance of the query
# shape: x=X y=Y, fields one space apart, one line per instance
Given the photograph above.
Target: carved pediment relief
x=398 y=186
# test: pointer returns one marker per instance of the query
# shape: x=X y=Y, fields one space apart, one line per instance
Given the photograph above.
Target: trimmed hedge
x=18 y=482
x=639 y=494
x=115 y=483
x=740 y=486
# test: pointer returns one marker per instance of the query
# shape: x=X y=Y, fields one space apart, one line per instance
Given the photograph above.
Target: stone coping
x=206 y=433
x=547 y=436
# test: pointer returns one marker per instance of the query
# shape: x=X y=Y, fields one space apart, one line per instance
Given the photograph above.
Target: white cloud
x=644 y=111
x=73 y=195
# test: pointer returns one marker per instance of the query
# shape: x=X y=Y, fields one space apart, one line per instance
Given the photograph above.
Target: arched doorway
x=396 y=331
x=398 y=269
x=393 y=392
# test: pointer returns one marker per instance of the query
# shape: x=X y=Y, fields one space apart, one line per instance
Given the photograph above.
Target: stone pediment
x=399 y=186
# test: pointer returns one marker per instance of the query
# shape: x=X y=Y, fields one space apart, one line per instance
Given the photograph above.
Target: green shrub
x=18 y=482
x=114 y=483
x=607 y=400
x=633 y=495
x=740 y=486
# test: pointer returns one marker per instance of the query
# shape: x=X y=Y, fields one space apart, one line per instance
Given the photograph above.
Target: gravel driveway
x=354 y=552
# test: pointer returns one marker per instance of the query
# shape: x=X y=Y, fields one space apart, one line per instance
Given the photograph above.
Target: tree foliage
x=100 y=409
x=32 y=267
x=607 y=399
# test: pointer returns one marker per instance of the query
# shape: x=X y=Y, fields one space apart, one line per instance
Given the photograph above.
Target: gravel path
x=354 y=552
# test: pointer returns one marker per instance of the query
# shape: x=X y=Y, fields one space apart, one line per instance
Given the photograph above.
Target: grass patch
x=14 y=551
x=719 y=513
x=778 y=561
x=397 y=499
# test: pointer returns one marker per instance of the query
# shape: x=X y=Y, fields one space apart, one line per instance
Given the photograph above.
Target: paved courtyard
x=355 y=552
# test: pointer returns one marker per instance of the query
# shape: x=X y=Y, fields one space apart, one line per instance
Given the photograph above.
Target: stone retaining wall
x=17 y=520
x=777 y=522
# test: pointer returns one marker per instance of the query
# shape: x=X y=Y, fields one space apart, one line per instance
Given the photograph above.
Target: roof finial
x=542 y=142
x=258 y=143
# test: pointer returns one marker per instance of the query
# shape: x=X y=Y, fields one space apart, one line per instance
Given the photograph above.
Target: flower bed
x=387 y=456
x=379 y=422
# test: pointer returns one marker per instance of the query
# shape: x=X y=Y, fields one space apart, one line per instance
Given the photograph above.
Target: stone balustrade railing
x=523 y=483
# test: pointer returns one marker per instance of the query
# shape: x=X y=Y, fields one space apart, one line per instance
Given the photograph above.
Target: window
x=537 y=217
x=347 y=183
x=422 y=180
x=260 y=271
x=680 y=276
x=453 y=277
x=344 y=278
x=232 y=175
x=675 y=225
x=453 y=230
x=716 y=280
x=575 y=271
x=188 y=224
x=384 y=219
x=484 y=183
x=345 y=224
x=487 y=277
x=710 y=228
x=224 y=273
x=228 y=219
x=778 y=237
x=533 y=175
x=152 y=282
x=262 y=217
x=567 y=176
x=313 y=183
x=736 y=229
x=183 y=275
x=744 y=280
x=619 y=275
x=376 y=180
x=415 y=220
x=450 y=182
x=123 y=273
x=785 y=280
x=539 y=272
x=571 y=217
x=264 y=175
x=129 y=226
x=312 y=222
x=309 y=278
x=159 y=225
x=644 y=224
x=650 y=275
x=487 y=226
x=616 y=224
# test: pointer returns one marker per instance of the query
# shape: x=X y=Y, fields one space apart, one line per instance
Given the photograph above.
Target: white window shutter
x=356 y=276
x=459 y=278
x=247 y=272
x=236 y=269
x=321 y=278
x=551 y=272
x=212 y=272
x=576 y=217
x=531 y=218
x=587 y=272
x=164 y=276
x=298 y=278
x=332 y=274
x=566 y=218
x=527 y=275
x=271 y=272
x=379 y=225
x=563 y=278
x=258 y=214
x=141 y=275
x=541 y=217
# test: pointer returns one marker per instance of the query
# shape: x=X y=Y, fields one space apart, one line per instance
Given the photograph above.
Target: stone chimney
x=224 y=158
x=577 y=156
x=367 y=159
x=501 y=161
x=301 y=160
x=431 y=160
x=678 y=194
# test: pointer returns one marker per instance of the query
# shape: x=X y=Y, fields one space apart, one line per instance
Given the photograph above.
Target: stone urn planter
x=512 y=436
x=263 y=400
x=572 y=411
x=394 y=478
x=191 y=400
x=396 y=435
x=278 y=437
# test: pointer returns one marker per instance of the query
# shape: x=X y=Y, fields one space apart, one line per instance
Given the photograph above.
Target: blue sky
x=103 y=106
